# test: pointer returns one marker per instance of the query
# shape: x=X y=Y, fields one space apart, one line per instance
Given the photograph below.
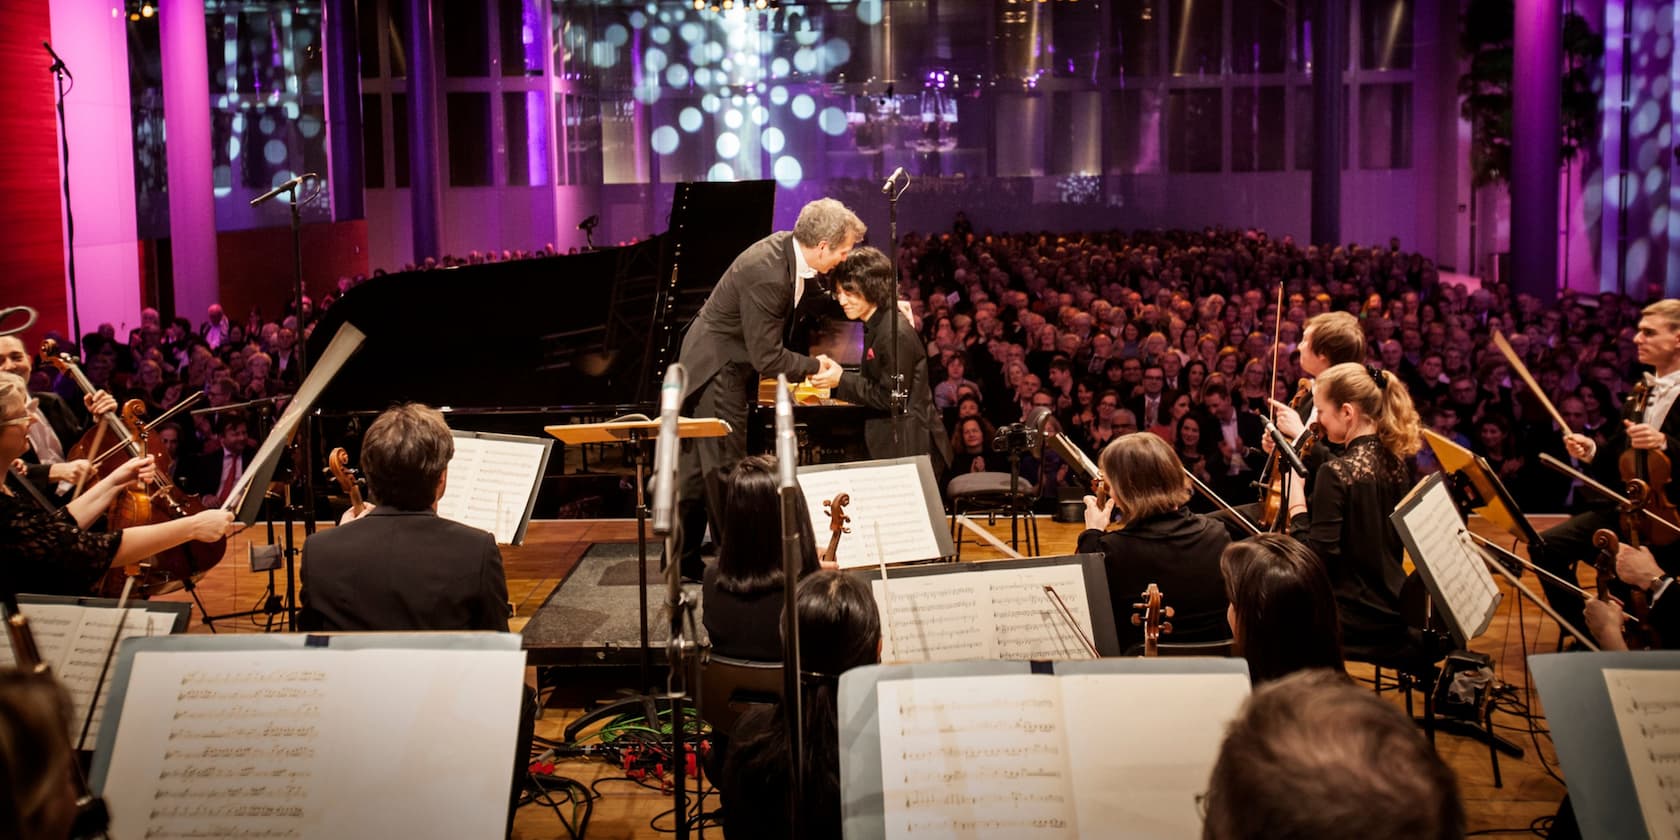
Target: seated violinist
x=1638 y=568
x=49 y=553
x=1653 y=430
x=1159 y=540
x=55 y=432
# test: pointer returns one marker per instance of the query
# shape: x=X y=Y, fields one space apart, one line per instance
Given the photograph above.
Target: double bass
x=156 y=501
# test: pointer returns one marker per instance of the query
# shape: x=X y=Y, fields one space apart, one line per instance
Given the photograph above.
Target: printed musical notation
x=248 y=743
x=490 y=484
x=1647 y=714
x=888 y=496
x=974 y=757
x=75 y=640
x=979 y=613
x=1450 y=558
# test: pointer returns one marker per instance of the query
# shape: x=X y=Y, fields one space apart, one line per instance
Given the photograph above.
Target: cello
x=1151 y=615
x=837 y=525
x=158 y=501
x=338 y=463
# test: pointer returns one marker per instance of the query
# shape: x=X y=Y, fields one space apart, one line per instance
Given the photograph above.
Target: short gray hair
x=13 y=388
x=827 y=220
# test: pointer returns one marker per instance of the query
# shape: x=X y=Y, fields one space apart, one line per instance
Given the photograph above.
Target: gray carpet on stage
x=595 y=608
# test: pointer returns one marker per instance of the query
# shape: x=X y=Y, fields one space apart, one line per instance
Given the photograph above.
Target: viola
x=1639 y=633
x=835 y=509
x=1272 y=477
x=1151 y=615
x=156 y=501
x=338 y=463
x=1653 y=469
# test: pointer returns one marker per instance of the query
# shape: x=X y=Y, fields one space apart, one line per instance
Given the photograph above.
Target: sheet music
x=74 y=640
x=973 y=757
x=1451 y=560
x=979 y=613
x=1145 y=747
x=1647 y=709
x=890 y=494
x=491 y=483
x=315 y=743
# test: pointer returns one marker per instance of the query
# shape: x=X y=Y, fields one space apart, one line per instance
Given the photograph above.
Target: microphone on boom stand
x=1288 y=451
x=665 y=450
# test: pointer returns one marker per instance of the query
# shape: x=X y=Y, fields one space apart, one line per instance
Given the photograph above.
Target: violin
x=1639 y=633
x=835 y=509
x=338 y=463
x=157 y=501
x=1151 y=615
x=1271 y=478
x=1653 y=469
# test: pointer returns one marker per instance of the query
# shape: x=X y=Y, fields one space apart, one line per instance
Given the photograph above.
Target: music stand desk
x=626 y=431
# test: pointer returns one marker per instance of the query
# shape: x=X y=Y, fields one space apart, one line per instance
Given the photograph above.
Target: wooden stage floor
x=553 y=548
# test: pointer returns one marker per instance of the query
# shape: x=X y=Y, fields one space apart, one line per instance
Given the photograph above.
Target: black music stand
x=638 y=436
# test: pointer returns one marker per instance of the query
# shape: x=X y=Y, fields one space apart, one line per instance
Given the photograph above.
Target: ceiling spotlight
x=147 y=10
x=761 y=4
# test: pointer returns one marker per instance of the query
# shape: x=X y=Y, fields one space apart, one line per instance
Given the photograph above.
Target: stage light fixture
x=147 y=10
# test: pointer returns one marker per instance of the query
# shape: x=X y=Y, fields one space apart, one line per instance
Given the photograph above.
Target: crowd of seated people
x=1176 y=332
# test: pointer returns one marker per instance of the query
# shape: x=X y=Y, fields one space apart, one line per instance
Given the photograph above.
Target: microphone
x=58 y=65
x=292 y=184
x=665 y=450
x=1289 y=454
x=787 y=448
x=589 y=223
x=886 y=189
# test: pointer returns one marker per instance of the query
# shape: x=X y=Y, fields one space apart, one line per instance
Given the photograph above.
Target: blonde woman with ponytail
x=1369 y=413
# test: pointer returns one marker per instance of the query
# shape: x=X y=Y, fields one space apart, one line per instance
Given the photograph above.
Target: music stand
x=638 y=434
x=1477 y=489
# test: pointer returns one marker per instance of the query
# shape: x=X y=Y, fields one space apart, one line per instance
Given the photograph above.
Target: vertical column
x=92 y=37
x=1330 y=50
x=425 y=187
x=344 y=108
x=192 y=208
x=1536 y=137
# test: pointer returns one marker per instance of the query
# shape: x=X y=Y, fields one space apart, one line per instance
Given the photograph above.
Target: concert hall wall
x=31 y=227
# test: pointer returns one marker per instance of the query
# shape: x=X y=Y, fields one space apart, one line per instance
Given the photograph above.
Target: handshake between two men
x=828 y=373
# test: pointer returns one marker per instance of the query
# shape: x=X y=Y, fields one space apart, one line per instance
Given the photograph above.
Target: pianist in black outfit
x=737 y=338
x=1159 y=540
x=867 y=289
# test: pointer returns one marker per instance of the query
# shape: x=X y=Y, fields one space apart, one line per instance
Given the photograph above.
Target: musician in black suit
x=1657 y=429
x=1639 y=569
x=867 y=289
x=1160 y=541
x=737 y=338
x=399 y=567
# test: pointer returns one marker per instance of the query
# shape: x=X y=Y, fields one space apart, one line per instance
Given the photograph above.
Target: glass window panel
x=1257 y=143
x=1385 y=126
x=1197 y=31
x=367 y=37
x=579 y=118
x=1385 y=34
x=621 y=159
x=465 y=33
x=396 y=37
x=1195 y=132
x=399 y=139
x=1077 y=41
x=1134 y=131
x=373 y=141
x=1020 y=135
x=521 y=29
x=1136 y=47
x=1259 y=37
x=469 y=139
x=1302 y=112
x=527 y=149
x=1021 y=32
x=1076 y=144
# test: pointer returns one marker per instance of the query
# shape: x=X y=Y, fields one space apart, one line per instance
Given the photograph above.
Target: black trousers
x=705 y=461
x=1564 y=545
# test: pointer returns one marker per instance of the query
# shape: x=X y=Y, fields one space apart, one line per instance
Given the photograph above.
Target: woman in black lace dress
x=1370 y=413
x=46 y=552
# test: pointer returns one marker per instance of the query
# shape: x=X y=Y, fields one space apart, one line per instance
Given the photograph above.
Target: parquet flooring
x=624 y=811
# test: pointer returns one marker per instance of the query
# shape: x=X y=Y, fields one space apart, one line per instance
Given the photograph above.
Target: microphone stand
x=59 y=72
x=900 y=395
x=793 y=702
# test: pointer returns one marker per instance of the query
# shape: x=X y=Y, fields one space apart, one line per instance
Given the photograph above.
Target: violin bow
x=1277 y=345
x=1522 y=372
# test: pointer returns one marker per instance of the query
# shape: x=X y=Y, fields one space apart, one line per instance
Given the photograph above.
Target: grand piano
x=511 y=347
